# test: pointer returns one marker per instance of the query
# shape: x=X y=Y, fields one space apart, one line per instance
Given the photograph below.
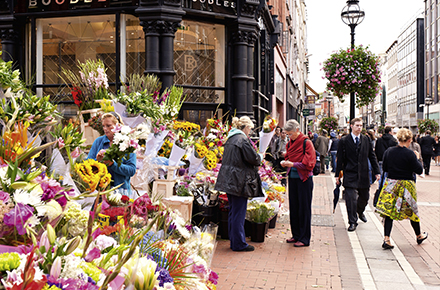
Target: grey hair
x=291 y=125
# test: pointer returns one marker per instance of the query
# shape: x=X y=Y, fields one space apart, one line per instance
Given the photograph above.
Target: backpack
x=317 y=168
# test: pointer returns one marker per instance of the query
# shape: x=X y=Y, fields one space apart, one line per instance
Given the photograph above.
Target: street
x=336 y=258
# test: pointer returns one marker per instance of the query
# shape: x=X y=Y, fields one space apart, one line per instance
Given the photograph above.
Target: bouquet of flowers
x=182 y=187
x=266 y=134
x=210 y=160
x=94 y=174
x=96 y=123
x=9 y=79
x=28 y=200
x=165 y=150
x=124 y=143
x=69 y=140
x=90 y=85
x=259 y=212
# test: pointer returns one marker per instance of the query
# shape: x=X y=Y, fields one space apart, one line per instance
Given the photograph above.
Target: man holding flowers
x=121 y=173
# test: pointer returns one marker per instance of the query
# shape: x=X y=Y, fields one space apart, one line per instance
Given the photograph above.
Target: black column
x=160 y=20
x=240 y=74
x=251 y=79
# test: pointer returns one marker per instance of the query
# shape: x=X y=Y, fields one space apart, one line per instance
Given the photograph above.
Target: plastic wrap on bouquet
x=61 y=168
x=176 y=154
x=203 y=242
x=154 y=142
x=132 y=122
x=144 y=173
x=194 y=164
x=265 y=140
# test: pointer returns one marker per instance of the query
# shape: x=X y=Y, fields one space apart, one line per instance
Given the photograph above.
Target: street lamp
x=352 y=15
x=329 y=98
x=428 y=101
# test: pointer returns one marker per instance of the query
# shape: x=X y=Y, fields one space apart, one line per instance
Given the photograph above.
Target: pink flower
x=117 y=128
x=95 y=253
x=75 y=153
x=60 y=143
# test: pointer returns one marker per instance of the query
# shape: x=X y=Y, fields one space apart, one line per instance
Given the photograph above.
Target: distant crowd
x=426 y=145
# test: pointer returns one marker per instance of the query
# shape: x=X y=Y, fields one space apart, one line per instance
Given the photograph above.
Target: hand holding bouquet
x=266 y=134
x=124 y=143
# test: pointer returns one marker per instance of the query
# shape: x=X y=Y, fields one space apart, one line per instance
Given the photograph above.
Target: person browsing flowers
x=122 y=173
x=299 y=160
x=239 y=179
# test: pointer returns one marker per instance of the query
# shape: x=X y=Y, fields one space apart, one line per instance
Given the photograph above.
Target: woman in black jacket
x=239 y=178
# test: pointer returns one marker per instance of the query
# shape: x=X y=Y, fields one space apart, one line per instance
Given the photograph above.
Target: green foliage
x=427 y=124
x=259 y=212
x=329 y=124
x=353 y=70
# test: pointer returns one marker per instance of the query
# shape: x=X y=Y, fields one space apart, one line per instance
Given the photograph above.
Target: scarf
x=295 y=153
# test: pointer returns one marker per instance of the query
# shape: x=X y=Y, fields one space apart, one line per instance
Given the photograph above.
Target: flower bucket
x=273 y=222
x=247 y=228
x=202 y=215
x=224 y=225
x=258 y=231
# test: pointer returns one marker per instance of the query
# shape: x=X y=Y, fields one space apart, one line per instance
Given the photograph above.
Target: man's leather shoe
x=352 y=228
x=363 y=218
x=249 y=248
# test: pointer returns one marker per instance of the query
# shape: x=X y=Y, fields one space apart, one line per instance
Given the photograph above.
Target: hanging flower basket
x=353 y=70
x=329 y=124
x=427 y=124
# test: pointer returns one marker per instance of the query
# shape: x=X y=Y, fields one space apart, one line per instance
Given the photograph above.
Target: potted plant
x=259 y=214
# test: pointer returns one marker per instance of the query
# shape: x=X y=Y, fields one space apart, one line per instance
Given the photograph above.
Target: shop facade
x=219 y=51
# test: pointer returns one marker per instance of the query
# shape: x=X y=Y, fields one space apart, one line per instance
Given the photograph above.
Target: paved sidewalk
x=337 y=259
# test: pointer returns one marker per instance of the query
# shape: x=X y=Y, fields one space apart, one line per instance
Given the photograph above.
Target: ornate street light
x=428 y=101
x=352 y=15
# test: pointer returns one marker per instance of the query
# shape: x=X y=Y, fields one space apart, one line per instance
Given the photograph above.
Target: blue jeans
x=237 y=215
x=333 y=153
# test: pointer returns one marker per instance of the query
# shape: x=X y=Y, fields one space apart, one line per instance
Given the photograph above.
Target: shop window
x=62 y=42
x=199 y=58
x=134 y=46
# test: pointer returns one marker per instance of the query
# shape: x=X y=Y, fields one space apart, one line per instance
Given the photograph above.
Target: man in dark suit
x=427 y=146
x=354 y=151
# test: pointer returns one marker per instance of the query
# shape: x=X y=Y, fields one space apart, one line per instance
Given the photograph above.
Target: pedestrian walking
x=354 y=151
x=299 y=160
x=427 y=146
x=333 y=148
x=383 y=143
x=321 y=145
x=239 y=178
x=398 y=198
x=437 y=150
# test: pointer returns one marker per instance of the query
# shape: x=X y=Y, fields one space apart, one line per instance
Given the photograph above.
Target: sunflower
x=93 y=173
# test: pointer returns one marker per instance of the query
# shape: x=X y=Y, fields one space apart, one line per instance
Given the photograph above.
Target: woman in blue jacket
x=120 y=174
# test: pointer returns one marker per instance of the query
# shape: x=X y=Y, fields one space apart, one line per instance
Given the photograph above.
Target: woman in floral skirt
x=398 y=198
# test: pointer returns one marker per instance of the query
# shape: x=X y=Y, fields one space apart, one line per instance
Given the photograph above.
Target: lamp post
x=428 y=101
x=352 y=15
x=329 y=98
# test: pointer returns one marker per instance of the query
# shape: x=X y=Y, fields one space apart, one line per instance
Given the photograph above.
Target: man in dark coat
x=427 y=146
x=321 y=145
x=383 y=143
x=354 y=151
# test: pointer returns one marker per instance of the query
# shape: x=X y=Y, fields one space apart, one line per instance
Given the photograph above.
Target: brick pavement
x=277 y=265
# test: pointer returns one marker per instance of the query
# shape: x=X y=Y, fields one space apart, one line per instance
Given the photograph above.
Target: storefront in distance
x=217 y=50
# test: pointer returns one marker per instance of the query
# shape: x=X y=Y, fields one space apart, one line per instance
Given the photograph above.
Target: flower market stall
x=63 y=225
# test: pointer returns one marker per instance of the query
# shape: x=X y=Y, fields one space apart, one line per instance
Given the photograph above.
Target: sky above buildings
x=384 y=21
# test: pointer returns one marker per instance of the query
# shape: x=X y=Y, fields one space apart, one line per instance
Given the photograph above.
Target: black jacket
x=354 y=162
x=239 y=165
x=383 y=143
x=427 y=145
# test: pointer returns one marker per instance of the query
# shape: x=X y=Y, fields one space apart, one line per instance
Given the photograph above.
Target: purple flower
x=4 y=196
x=18 y=216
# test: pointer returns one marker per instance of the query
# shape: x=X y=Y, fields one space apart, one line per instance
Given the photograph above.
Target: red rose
x=125 y=199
